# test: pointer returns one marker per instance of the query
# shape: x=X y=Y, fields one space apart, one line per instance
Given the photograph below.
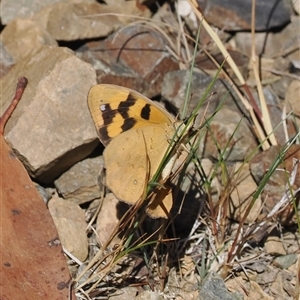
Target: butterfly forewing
x=115 y=109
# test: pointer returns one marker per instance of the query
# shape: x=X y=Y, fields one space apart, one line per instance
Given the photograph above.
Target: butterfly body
x=136 y=132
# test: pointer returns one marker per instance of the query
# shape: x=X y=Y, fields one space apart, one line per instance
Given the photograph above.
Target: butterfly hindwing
x=132 y=159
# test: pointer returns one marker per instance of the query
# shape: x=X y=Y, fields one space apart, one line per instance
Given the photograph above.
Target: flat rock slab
x=11 y=10
x=81 y=20
x=213 y=288
x=80 y=183
x=292 y=97
x=6 y=60
x=135 y=57
x=236 y=14
x=175 y=88
x=242 y=195
x=233 y=136
x=23 y=36
x=280 y=180
x=51 y=129
x=70 y=223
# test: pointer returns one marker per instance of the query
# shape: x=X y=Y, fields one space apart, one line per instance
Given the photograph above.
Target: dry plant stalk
x=253 y=109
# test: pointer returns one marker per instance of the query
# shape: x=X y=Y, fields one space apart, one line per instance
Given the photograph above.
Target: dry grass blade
x=262 y=118
x=254 y=59
x=218 y=42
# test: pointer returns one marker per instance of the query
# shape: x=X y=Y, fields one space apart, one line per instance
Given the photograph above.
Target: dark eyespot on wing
x=145 y=113
x=128 y=124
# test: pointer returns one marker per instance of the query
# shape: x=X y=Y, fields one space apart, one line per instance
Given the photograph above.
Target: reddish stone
x=135 y=57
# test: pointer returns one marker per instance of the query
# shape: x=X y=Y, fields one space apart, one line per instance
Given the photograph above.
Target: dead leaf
x=33 y=265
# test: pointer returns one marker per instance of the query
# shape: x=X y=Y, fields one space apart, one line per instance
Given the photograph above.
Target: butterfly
x=136 y=133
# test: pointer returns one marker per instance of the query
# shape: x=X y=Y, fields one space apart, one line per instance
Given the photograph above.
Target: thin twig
x=22 y=82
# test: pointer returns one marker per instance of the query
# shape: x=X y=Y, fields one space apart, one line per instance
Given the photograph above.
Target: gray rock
x=6 y=60
x=232 y=134
x=149 y=295
x=272 y=44
x=79 y=184
x=23 y=36
x=175 y=88
x=51 y=129
x=275 y=187
x=213 y=288
x=285 y=261
x=236 y=14
x=241 y=195
x=11 y=10
x=71 y=21
x=70 y=223
x=125 y=293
